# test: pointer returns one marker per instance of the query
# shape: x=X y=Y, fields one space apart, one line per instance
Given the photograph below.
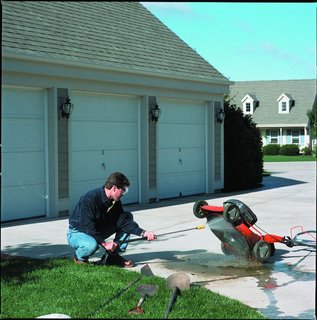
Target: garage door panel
x=103 y=107
x=98 y=135
x=175 y=185
x=123 y=160
x=19 y=102
x=28 y=168
x=100 y=165
x=181 y=148
x=80 y=159
x=23 y=135
x=81 y=187
x=181 y=112
x=105 y=139
x=31 y=202
x=23 y=153
x=173 y=164
x=192 y=157
x=180 y=135
x=180 y=162
x=192 y=182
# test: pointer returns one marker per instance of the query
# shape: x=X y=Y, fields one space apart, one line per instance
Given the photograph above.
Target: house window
x=249 y=103
x=273 y=138
x=295 y=136
x=285 y=103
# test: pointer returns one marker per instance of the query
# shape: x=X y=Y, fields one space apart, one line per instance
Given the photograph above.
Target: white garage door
x=23 y=191
x=104 y=139
x=181 y=165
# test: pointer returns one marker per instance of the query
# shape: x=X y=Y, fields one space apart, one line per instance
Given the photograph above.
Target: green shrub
x=271 y=149
x=307 y=151
x=243 y=158
x=289 y=150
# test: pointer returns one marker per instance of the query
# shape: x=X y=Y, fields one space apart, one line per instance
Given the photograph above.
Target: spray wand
x=104 y=257
x=165 y=234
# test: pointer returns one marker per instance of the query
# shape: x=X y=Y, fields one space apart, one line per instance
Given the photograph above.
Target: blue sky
x=247 y=41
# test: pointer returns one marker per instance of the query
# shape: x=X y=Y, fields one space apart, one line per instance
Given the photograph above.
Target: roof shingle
x=110 y=34
x=303 y=92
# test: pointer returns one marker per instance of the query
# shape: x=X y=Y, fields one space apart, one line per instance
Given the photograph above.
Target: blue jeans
x=86 y=245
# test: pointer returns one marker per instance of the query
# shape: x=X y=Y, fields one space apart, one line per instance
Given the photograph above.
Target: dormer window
x=285 y=103
x=250 y=102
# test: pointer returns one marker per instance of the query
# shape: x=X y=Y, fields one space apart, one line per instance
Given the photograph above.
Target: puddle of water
x=272 y=278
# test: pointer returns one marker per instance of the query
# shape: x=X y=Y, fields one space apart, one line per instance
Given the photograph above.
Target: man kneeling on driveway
x=100 y=214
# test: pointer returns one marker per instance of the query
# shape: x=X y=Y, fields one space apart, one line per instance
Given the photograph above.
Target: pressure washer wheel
x=262 y=250
x=232 y=214
x=197 y=209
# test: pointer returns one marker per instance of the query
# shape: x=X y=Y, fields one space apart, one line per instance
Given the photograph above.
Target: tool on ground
x=145 y=290
x=165 y=234
x=177 y=281
x=145 y=271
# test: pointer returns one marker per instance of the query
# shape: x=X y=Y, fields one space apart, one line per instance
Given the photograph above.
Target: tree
x=312 y=116
x=243 y=158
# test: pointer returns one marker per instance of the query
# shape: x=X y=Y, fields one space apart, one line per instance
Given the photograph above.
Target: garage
x=104 y=139
x=24 y=182
x=181 y=148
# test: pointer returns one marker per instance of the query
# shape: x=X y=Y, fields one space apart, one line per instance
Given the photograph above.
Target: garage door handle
x=103 y=166
x=180 y=161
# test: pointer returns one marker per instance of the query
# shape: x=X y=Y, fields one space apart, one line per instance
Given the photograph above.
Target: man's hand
x=110 y=246
x=149 y=235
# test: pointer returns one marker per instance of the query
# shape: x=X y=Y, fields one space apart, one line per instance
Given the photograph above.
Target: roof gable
x=252 y=97
x=285 y=96
x=109 y=34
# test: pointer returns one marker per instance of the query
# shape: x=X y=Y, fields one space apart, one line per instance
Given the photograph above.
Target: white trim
x=118 y=69
x=139 y=151
x=206 y=147
x=46 y=144
x=284 y=125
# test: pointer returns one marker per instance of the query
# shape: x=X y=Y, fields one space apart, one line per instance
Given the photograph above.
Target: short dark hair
x=118 y=179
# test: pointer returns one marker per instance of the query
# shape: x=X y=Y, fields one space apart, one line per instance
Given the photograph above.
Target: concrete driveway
x=282 y=288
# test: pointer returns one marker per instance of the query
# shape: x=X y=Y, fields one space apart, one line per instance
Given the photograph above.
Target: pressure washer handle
x=133 y=240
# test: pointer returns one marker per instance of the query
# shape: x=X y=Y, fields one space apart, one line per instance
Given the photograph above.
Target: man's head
x=117 y=185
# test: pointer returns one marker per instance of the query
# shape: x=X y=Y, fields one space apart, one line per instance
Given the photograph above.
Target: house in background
x=116 y=63
x=278 y=107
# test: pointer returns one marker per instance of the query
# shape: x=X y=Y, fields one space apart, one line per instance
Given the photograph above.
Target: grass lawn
x=278 y=158
x=34 y=287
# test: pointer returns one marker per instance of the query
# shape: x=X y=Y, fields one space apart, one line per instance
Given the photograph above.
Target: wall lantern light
x=220 y=116
x=67 y=108
x=155 y=113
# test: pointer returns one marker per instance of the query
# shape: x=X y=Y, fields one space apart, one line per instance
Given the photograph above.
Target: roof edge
x=25 y=57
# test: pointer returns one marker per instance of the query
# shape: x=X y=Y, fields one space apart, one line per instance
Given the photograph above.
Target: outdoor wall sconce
x=155 y=113
x=67 y=108
x=220 y=116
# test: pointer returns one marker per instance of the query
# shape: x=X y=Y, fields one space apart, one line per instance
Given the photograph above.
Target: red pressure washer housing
x=233 y=224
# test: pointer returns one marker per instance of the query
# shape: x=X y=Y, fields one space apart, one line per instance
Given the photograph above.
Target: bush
x=243 y=158
x=307 y=151
x=271 y=149
x=289 y=150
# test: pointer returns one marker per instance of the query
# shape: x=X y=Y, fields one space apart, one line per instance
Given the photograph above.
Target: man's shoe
x=76 y=260
x=119 y=261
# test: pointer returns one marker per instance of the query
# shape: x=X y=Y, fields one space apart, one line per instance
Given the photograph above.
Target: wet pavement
x=284 y=287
